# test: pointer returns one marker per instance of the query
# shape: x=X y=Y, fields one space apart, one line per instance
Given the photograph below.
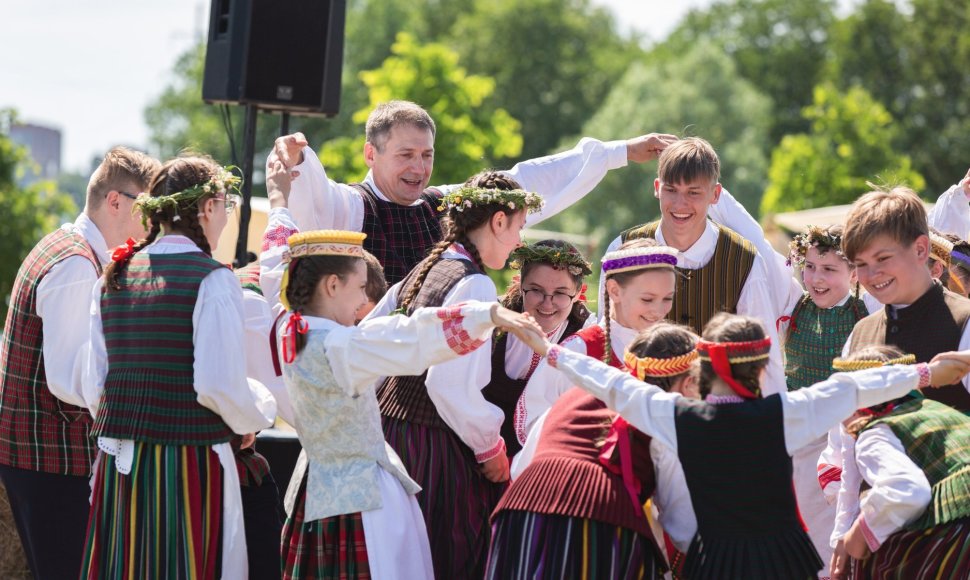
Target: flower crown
x=856 y=365
x=813 y=237
x=648 y=366
x=222 y=181
x=639 y=259
x=467 y=197
x=561 y=258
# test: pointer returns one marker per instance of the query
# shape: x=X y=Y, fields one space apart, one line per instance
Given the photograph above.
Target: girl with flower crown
x=913 y=454
x=747 y=527
x=640 y=281
x=166 y=382
x=575 y=508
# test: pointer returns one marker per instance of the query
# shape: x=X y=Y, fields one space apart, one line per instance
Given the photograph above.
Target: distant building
x=43 y=144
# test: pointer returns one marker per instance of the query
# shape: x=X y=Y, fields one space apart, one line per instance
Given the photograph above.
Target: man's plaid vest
x=38 y=431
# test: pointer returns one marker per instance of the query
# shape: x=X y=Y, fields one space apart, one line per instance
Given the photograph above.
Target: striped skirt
x=162 y=520
x=456 y=500
x=942 y=552
x=535 y=546
x=328 y=548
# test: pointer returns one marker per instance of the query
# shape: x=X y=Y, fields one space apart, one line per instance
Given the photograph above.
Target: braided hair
x=457 y=225
x=174 y=176
x=305 y=275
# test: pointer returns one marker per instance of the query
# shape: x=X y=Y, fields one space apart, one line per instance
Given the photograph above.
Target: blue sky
x=90 y=67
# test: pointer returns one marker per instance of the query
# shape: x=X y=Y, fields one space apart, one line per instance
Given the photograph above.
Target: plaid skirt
x=941 y=552
x=456 y=500
x=535 y=546
x=162 y=520
x=328 y=548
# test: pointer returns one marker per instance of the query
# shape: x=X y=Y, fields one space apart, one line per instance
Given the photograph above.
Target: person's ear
x=369 y=153
x=717 y=193
x=331 y=284
x=853 y=276
x=922 y=247
x=499 y=221
x=613 y=290
x=113 y=201
x=656 y=188
x=936 y=268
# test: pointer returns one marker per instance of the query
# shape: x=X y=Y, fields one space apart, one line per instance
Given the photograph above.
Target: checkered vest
x=815 y=337
x=149 y=392
x=38 y=431
x=400 y=235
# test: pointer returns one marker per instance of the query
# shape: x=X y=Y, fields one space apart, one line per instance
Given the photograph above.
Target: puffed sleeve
x=320 y=203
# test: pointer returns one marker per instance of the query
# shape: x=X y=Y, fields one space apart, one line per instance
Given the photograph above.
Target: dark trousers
x=264 y=525
x=51 y=512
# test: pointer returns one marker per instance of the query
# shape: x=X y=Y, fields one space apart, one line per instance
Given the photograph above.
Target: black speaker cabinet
x=284 y=55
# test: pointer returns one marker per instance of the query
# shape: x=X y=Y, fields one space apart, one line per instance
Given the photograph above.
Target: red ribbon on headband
x=124 y=251
x=295 y=325
x=720 y=353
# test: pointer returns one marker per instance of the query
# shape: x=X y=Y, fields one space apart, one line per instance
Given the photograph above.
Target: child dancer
x=551 y=289
x=748 y=527
x=446 y=433
x=640 y=281
x=575 y=511
x=914 y=456
x=166 y=381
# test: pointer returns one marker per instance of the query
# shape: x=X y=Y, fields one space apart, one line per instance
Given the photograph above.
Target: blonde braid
x=608 y=350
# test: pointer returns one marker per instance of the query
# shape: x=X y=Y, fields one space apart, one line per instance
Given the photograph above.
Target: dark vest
x=739 y=475
x=716 y=287
x=566 y=477
x=400 y=235
x=504 y=391
x=816 y=337
x=149 y=392
x=406 y=398
x=927 y=327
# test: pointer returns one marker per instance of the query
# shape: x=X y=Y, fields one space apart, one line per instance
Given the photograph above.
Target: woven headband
x=648 y=366
x=940 y=249
x=319 y=243
x=856 y=365
x=722 y=355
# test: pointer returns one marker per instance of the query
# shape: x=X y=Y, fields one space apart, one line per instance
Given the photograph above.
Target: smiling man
x=394 y=205
x=720 y=270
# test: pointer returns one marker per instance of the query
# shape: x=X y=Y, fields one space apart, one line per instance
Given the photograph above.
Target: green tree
x=29 y=213
x=850 y=143
x=553 y=61
x=699 y=93
x=472 y=132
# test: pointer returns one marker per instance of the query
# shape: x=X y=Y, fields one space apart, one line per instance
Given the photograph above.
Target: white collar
x=319 y=323
x=92 y=234
x=700 y=251
x=620 y=337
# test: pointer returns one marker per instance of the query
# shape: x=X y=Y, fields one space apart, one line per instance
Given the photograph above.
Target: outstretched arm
x=952 y=210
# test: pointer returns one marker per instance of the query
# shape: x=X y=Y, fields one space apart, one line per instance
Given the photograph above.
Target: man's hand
x=855 y=542
x=277 y=184
x=496 y=469
x=648 y=147
x=289 y=149
x=948 y=368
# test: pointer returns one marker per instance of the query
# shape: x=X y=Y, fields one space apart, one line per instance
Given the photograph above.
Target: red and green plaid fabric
x=149 y=393
x=38 y=431
x=252 y=467
x=815 y=337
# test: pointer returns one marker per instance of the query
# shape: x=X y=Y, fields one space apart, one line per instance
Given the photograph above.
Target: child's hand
x=947 y=368
x=277 y=184
x=496 y=469
x=855 y=542
x=247 y=440
x=522 y=325
x=289 y=149
x=839 y=566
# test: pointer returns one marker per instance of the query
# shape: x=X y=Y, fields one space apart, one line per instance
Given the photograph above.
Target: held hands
x=278 y=181
x=496 y=469
x=289 y=150
x=522 y=325
x=947 y=368
x=648 y=147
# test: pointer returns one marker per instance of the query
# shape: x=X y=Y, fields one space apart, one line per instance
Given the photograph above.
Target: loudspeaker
x=284 y=55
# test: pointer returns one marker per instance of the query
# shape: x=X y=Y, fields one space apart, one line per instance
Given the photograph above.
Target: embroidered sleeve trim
x=277 y=237
x=553 y=355
x=870 y=537
x=491 y=453
x=924 y=375
x=829 y=474
x=518 y=419
x=456 y=336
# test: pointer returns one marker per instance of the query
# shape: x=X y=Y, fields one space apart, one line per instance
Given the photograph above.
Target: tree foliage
x=849 y=143
x=699 y=94
x=472 y=133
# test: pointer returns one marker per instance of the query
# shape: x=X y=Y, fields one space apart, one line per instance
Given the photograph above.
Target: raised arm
x=952 y=210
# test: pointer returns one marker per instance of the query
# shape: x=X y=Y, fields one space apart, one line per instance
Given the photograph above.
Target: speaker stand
x=249 y=151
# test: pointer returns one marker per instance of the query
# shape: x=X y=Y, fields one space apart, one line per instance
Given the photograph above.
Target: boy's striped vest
x=38 y=431
x=815 y=337
x=716 y=287
x=937 y=438
x=149 y=392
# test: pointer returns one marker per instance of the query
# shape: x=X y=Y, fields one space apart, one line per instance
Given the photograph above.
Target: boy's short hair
x=687 y=160
x=390 y=114
x=376 y=283
x=122 y=169
x=898 y=213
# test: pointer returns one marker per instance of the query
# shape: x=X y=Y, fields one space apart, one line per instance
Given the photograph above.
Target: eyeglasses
x=128 y=195
x=232 y=200
x=559 y=299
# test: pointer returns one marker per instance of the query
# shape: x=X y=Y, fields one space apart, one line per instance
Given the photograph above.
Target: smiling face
x=827 y=277
x=402 y=165
x=683 y=209
x=643 y=299
x=548 y=295
x=892 y=272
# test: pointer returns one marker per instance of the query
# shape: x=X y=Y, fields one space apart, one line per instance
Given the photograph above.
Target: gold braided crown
x=649 y=366
x=857 y=365
x=325 y=243
x=940 y=249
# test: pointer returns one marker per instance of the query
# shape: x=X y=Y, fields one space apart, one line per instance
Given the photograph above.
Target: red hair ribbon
x=295 y=325
x=783 y=320
x=619 y=438
x=720 y=352
x=124 y=251
x=582 y=294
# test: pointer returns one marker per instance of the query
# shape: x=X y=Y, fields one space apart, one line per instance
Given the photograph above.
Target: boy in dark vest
x=887 y=238
x=394 y=205
x=45 y=451
x=721 y=271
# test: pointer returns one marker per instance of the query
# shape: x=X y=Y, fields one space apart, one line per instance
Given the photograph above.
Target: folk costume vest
x=149 y=393
x=38 y=431
x=716 y=287
x=739 y=475
x=400 y=235
x=406 y=398
x=816 y=337
x=927 y=327
x=937 y=438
